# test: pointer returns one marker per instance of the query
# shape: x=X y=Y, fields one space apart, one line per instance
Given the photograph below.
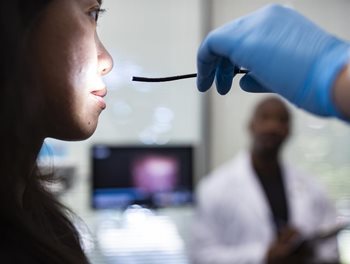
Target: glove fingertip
x=204 y=84
x=223 y=86
x=251 y=85
x=224 y=78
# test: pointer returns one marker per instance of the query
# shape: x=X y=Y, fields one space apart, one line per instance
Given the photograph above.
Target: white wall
x=157 y=38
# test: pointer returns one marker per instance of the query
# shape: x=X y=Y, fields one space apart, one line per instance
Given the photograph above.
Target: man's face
x=270 y=125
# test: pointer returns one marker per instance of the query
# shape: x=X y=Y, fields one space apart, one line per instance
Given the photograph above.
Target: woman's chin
x=84 y=134
x=77 y=134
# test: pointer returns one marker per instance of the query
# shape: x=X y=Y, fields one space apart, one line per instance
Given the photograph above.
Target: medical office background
x=160 y=38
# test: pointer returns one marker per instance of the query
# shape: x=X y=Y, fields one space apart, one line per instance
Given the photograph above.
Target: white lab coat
x=234 y=224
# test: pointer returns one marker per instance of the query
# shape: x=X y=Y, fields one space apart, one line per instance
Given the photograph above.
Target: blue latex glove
x=284 y=52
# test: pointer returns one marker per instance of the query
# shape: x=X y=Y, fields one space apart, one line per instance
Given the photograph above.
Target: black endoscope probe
x=174 y=78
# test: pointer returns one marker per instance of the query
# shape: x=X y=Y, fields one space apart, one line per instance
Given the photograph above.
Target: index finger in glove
x=206 y=67
x=224 y=76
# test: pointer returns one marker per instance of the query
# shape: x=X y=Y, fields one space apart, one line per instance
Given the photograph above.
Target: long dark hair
x=34 y=225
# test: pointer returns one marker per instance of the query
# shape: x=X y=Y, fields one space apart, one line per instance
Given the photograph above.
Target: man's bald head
x=269 y=124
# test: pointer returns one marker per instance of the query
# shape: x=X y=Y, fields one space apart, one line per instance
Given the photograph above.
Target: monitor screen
x=151 y=176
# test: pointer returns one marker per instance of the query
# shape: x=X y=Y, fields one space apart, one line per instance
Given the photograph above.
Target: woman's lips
x=98 y=95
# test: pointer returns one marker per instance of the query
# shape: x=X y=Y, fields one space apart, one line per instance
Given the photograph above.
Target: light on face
x=90 y=76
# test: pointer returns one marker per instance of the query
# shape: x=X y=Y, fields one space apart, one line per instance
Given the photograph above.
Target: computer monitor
x=151 y=176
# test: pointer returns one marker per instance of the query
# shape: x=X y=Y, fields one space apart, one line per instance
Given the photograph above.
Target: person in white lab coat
x=255 y=208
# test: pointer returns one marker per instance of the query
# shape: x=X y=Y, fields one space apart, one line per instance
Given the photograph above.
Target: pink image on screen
x=155 y=173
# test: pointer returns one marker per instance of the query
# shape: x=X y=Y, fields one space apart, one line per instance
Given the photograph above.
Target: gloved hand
x=284 y=53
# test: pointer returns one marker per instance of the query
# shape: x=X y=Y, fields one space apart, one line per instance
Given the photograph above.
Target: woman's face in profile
x=69 y=64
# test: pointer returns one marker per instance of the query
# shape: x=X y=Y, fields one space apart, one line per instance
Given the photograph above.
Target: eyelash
x=95 y=13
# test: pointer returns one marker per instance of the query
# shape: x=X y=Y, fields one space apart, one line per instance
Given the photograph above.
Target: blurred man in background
x=257 y=209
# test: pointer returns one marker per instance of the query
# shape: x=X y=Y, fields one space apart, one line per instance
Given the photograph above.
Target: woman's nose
x=105 y=61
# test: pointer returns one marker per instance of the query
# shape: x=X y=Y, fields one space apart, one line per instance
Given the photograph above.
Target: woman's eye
x=96 y=12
